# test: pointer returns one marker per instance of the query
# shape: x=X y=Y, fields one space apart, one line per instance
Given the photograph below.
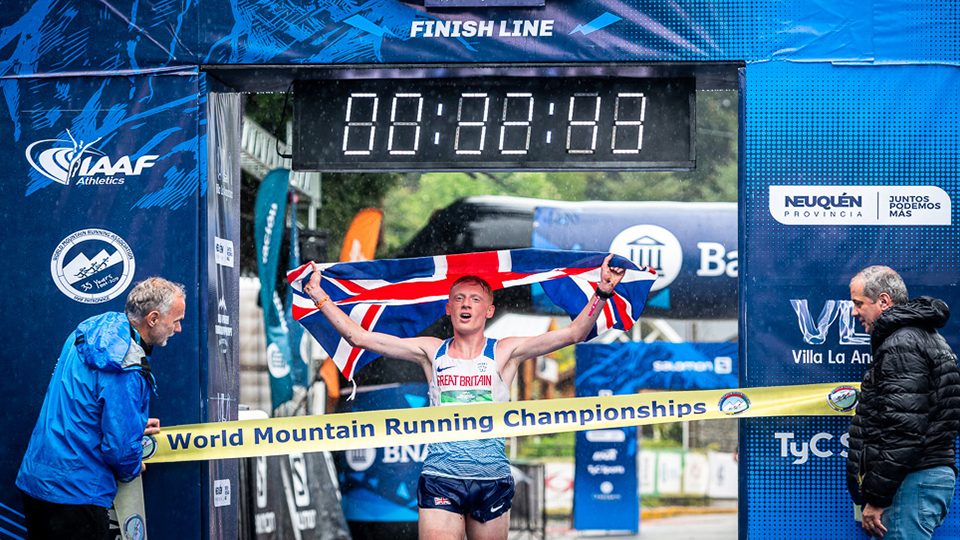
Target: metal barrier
x=529 y=514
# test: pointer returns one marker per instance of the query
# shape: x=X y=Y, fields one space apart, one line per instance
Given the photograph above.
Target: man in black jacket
x=900 y=466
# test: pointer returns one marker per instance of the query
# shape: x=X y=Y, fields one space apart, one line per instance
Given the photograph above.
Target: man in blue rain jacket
x=95 y=414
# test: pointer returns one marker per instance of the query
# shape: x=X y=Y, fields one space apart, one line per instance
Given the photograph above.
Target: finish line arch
x=858 y=102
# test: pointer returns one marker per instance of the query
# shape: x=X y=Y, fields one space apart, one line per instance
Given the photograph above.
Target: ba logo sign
x=92 y=266
x=67 y=161
x=653 y=246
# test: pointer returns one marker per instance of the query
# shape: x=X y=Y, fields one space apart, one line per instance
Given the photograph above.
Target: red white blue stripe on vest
x=402 y=297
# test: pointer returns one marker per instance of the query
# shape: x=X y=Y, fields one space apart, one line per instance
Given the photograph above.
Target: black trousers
x=52 y=521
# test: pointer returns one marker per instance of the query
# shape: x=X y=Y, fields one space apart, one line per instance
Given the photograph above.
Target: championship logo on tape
x=134 y=528
x=92 y=266
x=149 y=444
x=843 y=398
x=734 y=403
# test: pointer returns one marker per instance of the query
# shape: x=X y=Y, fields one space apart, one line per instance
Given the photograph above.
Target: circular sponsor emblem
x=134 y=528
x=482 y=367
x=276 y=363
x=606 y=488
x=734 y=403
x=653 y=246
x=92 y=266
x=360 y=459
x=149 y=444
x=843 y=398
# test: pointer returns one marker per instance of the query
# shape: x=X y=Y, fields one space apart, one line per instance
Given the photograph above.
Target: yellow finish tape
x=395 y=427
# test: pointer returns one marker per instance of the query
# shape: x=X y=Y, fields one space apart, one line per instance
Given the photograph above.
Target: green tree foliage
x=345 y=194
x=342 y=194
x=408 y=206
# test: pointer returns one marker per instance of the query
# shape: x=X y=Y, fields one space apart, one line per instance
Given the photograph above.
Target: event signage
x=860 y=205
x=605 y=471
x=692 y=246
x=380 y=484
x=400 y=427
x=482 y=3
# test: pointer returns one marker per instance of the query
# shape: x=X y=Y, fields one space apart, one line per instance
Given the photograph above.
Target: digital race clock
x=494 y=123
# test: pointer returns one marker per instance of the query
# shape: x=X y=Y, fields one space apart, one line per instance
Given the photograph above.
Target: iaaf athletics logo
x=92 y=266
x=69 y=160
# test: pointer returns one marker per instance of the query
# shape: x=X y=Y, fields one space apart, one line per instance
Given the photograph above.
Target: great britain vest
x=456 y=382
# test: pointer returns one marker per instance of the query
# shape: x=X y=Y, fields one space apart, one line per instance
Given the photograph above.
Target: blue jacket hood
x=103 y=341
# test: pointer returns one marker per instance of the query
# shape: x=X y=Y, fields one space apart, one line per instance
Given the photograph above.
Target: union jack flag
x=441 y=501
x=402 y=297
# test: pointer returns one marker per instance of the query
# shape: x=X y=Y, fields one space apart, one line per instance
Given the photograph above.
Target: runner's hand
x=312 y=287
x=610 y=276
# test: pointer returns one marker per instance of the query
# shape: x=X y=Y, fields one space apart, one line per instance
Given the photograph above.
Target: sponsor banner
x=270 y=216
x=661 y=365
x=482 y=3
x=692 y=246
x=606 y=459
x=220 y=359
x=294 y=497
x=811 y=334
x=401 y=427
x=860 y=205
x=380 y=484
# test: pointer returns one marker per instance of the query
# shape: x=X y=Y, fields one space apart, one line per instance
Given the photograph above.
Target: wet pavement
x=703 y=526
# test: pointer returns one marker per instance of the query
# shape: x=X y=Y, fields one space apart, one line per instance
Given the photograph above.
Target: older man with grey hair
x=901 y=468
x=95 y=413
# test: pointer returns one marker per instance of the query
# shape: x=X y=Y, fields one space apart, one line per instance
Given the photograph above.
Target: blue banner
x=151 y=36
x=634 y=366
x=838 y=207
x=380 y=484
x=605 y=495
x=269 y=222
x=692 y=246
x=101 y=189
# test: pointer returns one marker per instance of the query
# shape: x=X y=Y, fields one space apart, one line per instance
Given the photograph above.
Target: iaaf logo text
x=69 y=160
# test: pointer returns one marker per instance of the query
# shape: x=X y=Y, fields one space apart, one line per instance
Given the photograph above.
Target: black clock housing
x=494 y=123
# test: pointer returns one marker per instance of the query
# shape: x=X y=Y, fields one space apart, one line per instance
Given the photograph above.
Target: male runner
x=466 y=487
